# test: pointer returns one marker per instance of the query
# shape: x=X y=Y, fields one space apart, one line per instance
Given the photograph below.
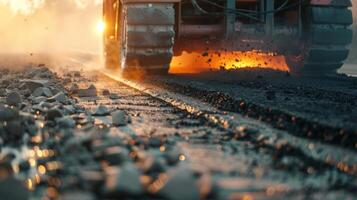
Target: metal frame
x=269 y=21
x=230 y=19
x=229 y=26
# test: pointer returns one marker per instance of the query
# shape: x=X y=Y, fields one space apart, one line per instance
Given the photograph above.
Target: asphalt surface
x=247 y=134
x=311 y=106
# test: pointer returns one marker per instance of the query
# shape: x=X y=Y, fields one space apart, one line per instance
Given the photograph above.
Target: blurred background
x=49 y=25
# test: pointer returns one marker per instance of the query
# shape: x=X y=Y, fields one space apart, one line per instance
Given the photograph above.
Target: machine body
x=313 y=35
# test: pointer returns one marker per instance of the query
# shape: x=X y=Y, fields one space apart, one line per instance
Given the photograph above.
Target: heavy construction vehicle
x=313 y=35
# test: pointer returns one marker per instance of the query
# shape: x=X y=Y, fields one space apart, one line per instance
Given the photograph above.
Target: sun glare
x=101 y=27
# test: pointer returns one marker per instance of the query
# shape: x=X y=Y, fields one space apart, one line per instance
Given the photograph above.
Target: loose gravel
x=85 y=136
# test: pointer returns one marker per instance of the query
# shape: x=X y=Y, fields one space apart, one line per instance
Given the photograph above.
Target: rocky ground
x=83 y=135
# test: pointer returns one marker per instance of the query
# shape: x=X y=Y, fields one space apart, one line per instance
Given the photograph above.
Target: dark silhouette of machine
x=313 y=35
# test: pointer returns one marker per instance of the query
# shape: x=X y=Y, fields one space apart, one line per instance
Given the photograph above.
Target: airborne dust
x=48 y=31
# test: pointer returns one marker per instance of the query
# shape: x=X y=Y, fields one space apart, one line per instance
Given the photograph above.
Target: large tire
x=327 y=34
x=147 y=38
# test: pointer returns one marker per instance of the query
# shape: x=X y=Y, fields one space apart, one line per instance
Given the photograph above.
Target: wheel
x=326 y=36
x=146 y=38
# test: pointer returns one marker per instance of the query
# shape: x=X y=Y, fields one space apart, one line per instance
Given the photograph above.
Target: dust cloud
x=49 y=30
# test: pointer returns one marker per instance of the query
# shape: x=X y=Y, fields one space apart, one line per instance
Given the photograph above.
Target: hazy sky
x=52 y=25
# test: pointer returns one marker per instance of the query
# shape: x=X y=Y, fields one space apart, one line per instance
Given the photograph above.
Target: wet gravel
x=81 y=135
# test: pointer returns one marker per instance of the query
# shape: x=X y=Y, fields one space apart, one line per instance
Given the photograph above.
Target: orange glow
x=210 y=61
x=29 y=184
x=41 y=169
x=182 y=157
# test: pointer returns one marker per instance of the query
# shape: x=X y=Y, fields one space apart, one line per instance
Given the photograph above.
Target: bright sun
x=100 y=27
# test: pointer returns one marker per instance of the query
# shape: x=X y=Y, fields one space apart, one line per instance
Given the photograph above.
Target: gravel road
x=257 y=135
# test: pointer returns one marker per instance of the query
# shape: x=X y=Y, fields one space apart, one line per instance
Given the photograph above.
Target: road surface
x=251 y=134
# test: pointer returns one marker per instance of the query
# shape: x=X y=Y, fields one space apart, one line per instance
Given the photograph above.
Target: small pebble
x=59 y=97
x=119 y=118
x=42 y=91
x=100 y=110
x=66 y=122
x=91 y=91
x=13 y=99
x=53 y=114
